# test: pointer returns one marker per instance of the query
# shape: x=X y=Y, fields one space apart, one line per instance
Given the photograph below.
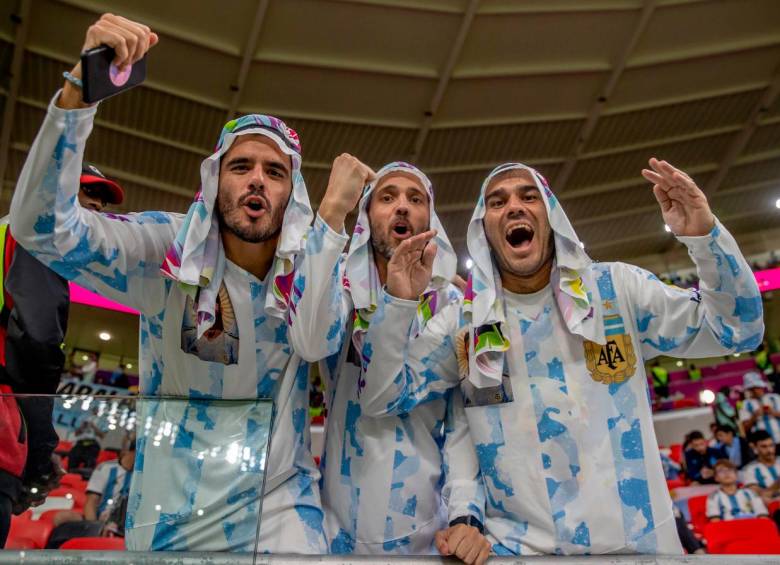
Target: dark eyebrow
x=278 y=165
x=237 y=161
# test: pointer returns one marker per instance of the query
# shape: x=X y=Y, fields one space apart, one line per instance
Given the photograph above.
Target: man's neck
x=529 y=283
x=381 y=267
x=255 y=258
x=729 y=489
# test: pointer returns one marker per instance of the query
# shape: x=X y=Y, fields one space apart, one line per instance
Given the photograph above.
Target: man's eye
x=387 y=198
x=495 y=203
x=275 y=173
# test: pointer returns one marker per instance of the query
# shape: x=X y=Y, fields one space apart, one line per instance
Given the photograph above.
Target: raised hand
x=130 y=40
x=348 y=177
x=411 y=266
x=464 y=542
x=683 y=205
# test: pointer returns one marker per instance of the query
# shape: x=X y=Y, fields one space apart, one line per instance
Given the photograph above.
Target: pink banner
x=81 y=295
x=768 y=279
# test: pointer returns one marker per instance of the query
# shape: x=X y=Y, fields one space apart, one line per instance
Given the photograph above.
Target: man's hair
x=695 y=434
x=724 y=463
x=759 y=435
x=725 y=428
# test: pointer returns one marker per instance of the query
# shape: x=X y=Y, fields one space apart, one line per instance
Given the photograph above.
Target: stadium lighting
x=706 y=396
x=679 y=363
x=469 y=264
x=105 y=336
x=777 y=203
x=667 y=228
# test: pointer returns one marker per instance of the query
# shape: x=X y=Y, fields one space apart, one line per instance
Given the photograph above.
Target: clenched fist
x=347 y=179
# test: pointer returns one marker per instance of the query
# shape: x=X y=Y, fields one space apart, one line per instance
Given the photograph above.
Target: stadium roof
x=584 y=90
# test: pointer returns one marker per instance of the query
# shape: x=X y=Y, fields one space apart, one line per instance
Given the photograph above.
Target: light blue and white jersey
x=197 y=484
x=389 y=482
x=761 y=474
x=566 y=443
x=766 y=422
x=744 y=503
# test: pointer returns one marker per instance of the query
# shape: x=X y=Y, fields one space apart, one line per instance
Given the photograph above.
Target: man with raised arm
x=551 y=362
x=212 y=288
x=388 y=484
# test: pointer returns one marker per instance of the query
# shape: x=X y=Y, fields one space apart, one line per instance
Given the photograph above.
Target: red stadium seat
x=63 y=447
x=697 y=506
x=73 y=480
x=26 y=532
x=672 y=484
x=773 y=507
x=753 y=547
x=675 y=452
x=105 y=544
x=106 y=455
x=761 y=532
x=79 y=497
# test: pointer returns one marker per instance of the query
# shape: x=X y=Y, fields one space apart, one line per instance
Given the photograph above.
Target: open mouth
x=401 y=230
x=520 y=236
x=255 y=205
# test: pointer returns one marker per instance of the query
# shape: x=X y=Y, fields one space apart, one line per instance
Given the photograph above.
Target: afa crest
x=611 y=363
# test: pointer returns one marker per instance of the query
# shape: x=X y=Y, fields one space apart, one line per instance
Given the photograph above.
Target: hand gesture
x=411 y=266
x=130 y=40
x=348 y=177
x=464 y=542
x=683 y=204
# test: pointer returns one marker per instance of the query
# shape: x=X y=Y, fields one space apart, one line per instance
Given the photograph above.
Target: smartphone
x=102 y=79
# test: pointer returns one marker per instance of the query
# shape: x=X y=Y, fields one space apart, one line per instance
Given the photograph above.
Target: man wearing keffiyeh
x=213 y=291
x=549 y=356
x=389 y=484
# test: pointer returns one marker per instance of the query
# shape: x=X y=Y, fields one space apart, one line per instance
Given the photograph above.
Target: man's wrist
x=469 y=521
x=71 y=97
x=332 y=214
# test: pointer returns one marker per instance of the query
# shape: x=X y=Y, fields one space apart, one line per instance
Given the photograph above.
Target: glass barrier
x=140 y=473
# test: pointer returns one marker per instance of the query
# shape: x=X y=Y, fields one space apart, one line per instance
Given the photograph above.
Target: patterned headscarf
x=196 y=260
x=361 y=274
x=571 y=280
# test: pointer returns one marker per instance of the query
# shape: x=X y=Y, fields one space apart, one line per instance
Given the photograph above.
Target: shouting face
x=399 y=208
x=516 y=224
x=255 y=182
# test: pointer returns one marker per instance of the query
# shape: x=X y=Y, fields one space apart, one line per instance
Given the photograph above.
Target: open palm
x=411 y=266
x=683 y=205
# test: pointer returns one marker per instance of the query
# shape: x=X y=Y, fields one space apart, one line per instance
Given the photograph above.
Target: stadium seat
x=73 y=480
x=79 y=497
x=773 y=507
x=761 y=532
x=672 y=484
x=697 y=506
x=26 y=533
x=96 y=543
x=63 y=447
x=753 y=547
x=675 y=452
x=106 y=455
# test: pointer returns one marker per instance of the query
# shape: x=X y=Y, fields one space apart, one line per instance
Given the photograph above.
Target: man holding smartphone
x=212 y=288
x=761 y=411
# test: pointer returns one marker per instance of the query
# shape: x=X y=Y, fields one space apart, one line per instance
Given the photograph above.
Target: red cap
x=90 y=174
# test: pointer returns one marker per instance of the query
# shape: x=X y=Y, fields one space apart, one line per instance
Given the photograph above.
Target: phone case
x=102 y=79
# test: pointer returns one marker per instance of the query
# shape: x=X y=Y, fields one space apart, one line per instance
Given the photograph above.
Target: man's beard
x=253 y=232
x=382 y=247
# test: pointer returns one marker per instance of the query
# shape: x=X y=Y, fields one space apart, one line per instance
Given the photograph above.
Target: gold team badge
x=615 y=361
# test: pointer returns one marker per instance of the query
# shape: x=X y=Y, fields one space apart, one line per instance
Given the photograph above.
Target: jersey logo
x=613 y=362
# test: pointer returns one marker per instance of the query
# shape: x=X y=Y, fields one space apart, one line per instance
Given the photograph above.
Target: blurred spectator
x=761 y=411
x=735 y=448
x=688 y=540
x=86 y=448
x=33 y=319
x=660 y=380
x=106 y=506
x=119 y=377
x=694 y=374
x=87 y=371
x=765 y=366
x=730 y=502
x=671 y=468
x=724 y=412
x=763 y=474
x=700 y=459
